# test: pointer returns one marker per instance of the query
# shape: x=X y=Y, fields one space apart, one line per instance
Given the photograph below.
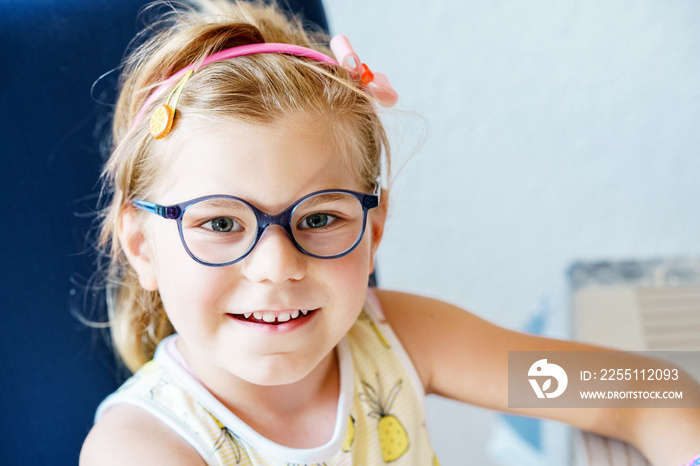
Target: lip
x=275 y=328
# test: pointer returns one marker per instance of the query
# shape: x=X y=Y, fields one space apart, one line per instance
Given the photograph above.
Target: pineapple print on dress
x=393 y=437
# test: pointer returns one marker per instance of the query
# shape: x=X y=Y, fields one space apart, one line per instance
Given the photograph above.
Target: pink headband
x=375 y=84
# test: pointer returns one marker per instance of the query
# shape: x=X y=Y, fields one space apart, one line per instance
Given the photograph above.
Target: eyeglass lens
x=220 y=230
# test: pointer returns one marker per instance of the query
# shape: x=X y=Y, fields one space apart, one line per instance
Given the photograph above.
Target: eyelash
x=209 y=222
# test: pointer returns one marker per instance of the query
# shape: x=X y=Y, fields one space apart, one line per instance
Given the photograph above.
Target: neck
x=289 y=399
x=300 y=414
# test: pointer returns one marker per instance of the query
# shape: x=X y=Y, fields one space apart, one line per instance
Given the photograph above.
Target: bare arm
x=457 y=354
x=129 y=436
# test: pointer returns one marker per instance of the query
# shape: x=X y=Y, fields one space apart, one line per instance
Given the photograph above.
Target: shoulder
x=430 y=320
x=435 y=333
x=128 y=435
x=458 y=354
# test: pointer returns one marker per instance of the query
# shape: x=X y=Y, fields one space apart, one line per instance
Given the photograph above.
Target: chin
x=277 y=370
x=276 y=380
x=274 y=377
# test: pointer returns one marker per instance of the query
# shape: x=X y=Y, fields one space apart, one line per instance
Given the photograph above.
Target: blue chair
x=54 y=370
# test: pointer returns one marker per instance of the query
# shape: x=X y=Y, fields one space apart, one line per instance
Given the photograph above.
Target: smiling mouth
x=273 y=318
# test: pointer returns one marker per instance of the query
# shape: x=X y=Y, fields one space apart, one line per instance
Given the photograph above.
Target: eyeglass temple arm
x=378 y=185
x=371 y=201
x=169 y=212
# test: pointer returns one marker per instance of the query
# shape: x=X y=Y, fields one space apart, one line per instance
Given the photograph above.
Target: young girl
x=247 y=206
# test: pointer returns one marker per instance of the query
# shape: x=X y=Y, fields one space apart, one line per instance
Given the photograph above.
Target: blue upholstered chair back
x=53 y=370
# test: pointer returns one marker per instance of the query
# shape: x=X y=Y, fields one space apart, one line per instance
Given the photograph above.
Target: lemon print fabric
x=225 y=437
x=393 y=438
x=350 y=436
x=148 y=368
x=375 y=329
x=299 y=464
x=228 y=440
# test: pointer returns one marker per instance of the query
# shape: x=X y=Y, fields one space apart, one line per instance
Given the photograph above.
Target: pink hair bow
x=376 y=84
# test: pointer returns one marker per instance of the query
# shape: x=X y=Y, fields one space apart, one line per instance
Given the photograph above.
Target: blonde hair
x=254 y=89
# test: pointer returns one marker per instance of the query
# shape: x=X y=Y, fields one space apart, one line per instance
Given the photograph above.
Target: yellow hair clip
x=163 y=116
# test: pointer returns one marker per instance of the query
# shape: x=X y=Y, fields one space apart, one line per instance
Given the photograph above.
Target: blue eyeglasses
x=221 y=230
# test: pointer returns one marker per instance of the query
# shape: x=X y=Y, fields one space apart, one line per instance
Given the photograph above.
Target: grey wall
x=551 y=131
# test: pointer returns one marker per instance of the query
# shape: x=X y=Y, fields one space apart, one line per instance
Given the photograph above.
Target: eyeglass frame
x=263 y=219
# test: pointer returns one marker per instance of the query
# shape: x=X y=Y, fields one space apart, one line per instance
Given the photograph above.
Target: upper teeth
x=271 y=316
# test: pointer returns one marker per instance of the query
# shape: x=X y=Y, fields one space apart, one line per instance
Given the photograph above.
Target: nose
x=275 y=258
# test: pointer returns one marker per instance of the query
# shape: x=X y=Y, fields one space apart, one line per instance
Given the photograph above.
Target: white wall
x=556 y=130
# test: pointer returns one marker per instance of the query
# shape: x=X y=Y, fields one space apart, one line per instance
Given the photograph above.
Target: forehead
x=269 y=164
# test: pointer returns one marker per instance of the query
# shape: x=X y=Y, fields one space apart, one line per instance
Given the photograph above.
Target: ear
x=377 y=220
x=132 y=238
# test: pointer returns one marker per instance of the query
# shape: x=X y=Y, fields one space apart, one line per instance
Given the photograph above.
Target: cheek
x=186 y=287
x=350 y=274
x=169 y=255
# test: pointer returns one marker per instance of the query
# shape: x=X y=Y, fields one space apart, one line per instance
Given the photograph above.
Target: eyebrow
x=223 y=202
x=241 y=204
x=325 y=197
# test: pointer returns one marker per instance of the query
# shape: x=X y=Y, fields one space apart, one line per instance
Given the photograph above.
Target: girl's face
x=270 y=166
